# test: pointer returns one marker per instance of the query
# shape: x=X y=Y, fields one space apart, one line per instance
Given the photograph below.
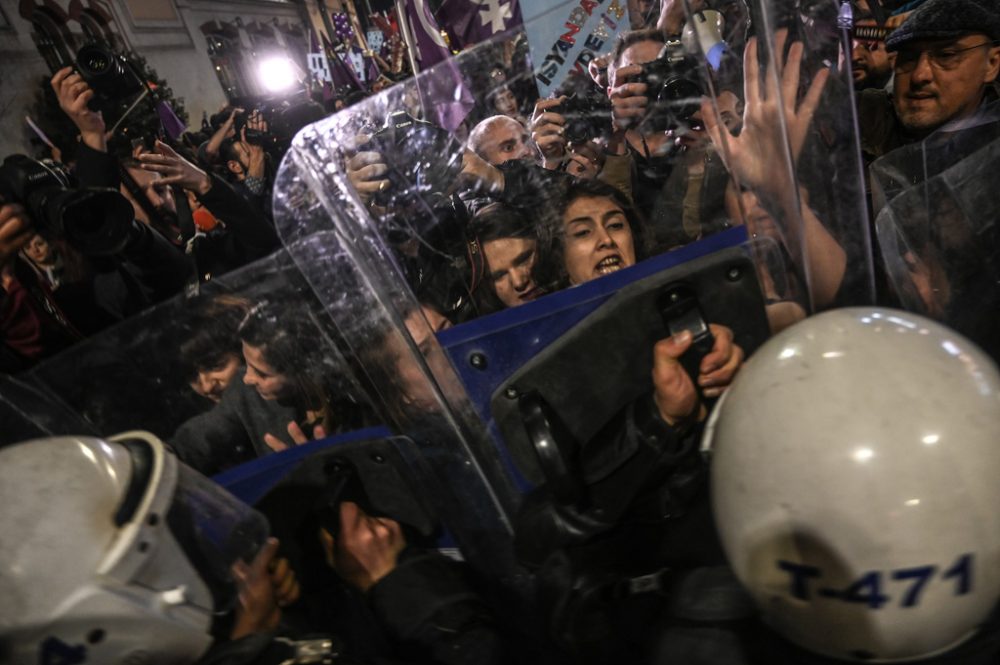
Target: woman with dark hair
x=210 y=355
x=287 y=361
x=596 y=233
x=296 y=386
x=502 y=247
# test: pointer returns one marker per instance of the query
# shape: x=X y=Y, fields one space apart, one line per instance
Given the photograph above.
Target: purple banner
x=474 y=21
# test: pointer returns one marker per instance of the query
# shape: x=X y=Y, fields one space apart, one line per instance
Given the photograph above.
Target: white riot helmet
x=113 y=552
x=856 y=484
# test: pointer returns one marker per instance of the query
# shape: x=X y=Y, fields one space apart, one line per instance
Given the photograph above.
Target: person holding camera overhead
x=125 y=266
x=246 y=235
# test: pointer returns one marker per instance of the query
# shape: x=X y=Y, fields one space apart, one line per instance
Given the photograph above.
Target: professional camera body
x=587 y=114
x=109 y=74
x=673 y=86
x=96 y=221
x=675 y=80
x=423 y=158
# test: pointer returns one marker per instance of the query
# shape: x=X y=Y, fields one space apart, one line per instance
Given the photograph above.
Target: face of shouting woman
x=598 y=238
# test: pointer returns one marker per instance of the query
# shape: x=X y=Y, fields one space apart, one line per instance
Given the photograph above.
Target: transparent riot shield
x=937 y=225
x=795 y=157
x=441 y=239
x=443 y=277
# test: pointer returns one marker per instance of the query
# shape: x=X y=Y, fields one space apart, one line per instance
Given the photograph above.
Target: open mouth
x=535 y=292
x=609 y=264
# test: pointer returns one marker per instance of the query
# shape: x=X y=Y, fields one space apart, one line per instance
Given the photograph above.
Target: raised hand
x=628 y=100
x=175 y=170
x=760 y=152
x=547 y=130
x=366 y=169
x=73 y=94
x=366 y=549
x=674 y=392
x=264 y=586
x=297 y=435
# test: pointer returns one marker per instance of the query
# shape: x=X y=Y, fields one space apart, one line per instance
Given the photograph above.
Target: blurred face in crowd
x=938 y=81
x=39 y=251
x=585 y=162
x=510 y=262
x=269 y=383
x=870 y=63
x=239 y=166
x=695 y=137
x=598 y=239
x=641 y=13
x=637 y=54
x=211 y=382
x=502 y=140
x=504 y=102
x=422 y=325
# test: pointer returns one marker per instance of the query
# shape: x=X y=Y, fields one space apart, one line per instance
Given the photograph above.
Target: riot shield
x=937 y=227
x=408 y=294
x=388 y=209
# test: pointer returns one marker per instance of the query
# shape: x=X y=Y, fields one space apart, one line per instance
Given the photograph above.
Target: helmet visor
x=215 y=529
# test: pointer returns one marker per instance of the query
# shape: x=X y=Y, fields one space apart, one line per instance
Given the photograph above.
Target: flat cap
x=948 y=19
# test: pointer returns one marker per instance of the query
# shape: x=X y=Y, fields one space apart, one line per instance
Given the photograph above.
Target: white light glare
x=931 y=439
x=277 y=74
x=862 y=455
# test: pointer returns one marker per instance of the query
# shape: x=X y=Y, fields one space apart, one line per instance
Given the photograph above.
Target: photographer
x=161 y=269
x=677 y=180
x=249 y=164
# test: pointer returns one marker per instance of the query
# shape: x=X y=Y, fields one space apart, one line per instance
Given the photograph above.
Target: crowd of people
x=530 y=196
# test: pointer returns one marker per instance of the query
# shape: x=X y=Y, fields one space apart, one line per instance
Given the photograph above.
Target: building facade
x=206 y=50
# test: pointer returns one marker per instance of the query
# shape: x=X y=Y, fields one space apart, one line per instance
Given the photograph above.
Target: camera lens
x=97 y=63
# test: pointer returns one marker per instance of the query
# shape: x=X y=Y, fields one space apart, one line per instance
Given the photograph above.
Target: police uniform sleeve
x=430 y=609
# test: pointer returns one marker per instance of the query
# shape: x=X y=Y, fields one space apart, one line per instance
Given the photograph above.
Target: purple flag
x=373 y=71
x=431 y=48
x=172 y=125
x=474 y=21
x=340 y=71
x=443 y=91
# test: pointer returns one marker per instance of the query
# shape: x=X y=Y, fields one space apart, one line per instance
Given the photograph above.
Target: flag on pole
x=443 y=90
x=340 y=71
x=172 y=125
x=430 y=44
x=474 y=21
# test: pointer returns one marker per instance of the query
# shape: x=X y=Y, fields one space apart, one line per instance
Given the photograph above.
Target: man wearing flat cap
x=947 y=58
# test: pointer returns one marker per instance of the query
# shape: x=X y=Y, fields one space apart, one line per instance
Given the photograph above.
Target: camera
x=588 y=116
x=109 y=74
x=96 y=221
x=253 y=136
x=673 y=86
x=284 y=118
x=423 y=158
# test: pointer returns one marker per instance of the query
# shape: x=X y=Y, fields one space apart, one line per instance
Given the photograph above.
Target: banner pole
x=404 y=26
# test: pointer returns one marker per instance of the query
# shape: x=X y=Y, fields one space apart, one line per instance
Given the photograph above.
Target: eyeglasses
x=944 y=58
